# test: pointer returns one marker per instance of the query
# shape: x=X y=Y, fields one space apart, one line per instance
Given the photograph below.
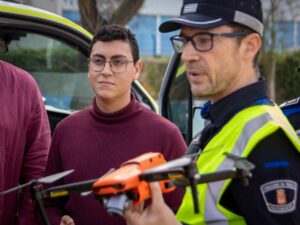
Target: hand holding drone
x=129 y=184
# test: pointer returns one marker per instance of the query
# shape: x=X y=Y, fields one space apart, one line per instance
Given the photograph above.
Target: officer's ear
x=251 y=45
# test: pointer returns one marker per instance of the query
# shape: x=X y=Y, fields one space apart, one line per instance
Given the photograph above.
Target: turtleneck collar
x=127 y=112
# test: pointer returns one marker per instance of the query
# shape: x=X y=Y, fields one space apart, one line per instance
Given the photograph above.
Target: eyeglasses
x=202 y=41
x=117 y=65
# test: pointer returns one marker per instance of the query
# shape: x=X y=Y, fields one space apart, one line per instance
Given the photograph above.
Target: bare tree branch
x=124 y=13
x=88 y=14
x=96 y=13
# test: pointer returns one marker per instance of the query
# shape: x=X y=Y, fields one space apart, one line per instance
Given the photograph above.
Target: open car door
x=177 y=103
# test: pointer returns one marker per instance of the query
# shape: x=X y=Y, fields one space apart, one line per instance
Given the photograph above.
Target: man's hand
x=157 y=213
x=67 y=220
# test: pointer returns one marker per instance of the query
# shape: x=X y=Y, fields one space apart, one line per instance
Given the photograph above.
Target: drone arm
x=192 y=179
x=36 y=193
x=162 y=175
x=217 y=176
x=67 y=189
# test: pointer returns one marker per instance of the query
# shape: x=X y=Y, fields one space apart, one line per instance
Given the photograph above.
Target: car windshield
x=59 y=69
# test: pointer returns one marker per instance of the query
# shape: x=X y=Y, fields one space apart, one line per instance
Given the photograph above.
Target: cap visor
x=191 y=20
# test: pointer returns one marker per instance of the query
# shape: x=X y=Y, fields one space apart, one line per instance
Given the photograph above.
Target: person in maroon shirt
x=24 y=141
x=114 y=129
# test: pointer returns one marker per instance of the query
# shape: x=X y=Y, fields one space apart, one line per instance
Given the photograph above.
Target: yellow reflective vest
x=239 y=136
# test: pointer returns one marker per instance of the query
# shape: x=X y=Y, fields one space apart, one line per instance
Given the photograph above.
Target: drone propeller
x=243 y=167
x=195 y=154
x=166 y=170
x=83 y=187
x=241 y=163
x=244 y=164
x=44 y=180
x=20 y=187
x=52 y=178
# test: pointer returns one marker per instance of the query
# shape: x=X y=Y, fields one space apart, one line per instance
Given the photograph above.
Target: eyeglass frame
x=126 y=62
x=212 y=35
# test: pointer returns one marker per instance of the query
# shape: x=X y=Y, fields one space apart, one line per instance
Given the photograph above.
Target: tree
x=288 y=79
x=275 y=11
x=96 y=13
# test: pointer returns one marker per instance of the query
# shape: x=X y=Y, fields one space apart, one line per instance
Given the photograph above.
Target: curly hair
x=117 y=32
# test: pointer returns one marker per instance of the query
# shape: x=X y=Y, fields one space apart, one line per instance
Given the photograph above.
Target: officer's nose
x=189 y=53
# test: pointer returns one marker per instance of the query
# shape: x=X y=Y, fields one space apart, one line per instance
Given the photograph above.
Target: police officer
x=219 y=42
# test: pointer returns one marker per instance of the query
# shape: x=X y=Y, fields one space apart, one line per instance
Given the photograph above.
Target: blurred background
x=280 y=55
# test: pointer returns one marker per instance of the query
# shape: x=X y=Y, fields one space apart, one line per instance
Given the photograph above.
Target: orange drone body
x=126 y=178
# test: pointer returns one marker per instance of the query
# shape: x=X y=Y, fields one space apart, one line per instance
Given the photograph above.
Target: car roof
x=16 y=9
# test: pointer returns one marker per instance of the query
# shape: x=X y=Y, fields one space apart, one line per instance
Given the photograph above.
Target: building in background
x=286 y=24
x=144 y=24
x=153 y=12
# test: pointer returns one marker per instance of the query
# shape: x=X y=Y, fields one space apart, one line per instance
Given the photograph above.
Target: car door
x=176 y=102
x=55 y=52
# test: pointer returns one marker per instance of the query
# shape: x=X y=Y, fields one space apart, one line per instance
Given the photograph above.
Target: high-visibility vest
x=239 y=136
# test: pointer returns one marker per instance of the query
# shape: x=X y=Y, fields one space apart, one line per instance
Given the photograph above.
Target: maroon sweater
x=92 y=142
x=24 y=140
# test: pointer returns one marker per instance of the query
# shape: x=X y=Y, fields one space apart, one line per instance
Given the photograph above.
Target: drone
x=129 y=184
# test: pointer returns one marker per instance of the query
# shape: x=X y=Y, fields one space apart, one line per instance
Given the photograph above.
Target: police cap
x=206 y=14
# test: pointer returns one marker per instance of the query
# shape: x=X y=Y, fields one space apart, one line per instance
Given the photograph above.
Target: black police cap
x=206 y=14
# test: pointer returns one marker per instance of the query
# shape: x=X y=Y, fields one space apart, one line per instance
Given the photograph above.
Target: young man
x=24 y=142
x=219 y=42
x=114 y=129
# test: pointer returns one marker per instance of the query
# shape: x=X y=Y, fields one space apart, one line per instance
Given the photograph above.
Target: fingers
x=156 y=193
x=138 y=208
x=130 y=216
x=67 y=220
x=157 y=213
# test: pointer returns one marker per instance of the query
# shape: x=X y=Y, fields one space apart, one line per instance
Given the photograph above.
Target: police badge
x=280 y=196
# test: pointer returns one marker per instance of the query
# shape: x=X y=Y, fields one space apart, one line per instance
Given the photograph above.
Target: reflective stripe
x=249 y=21
x=214 y=189
x=197 y=23
x=250 y=128
x=282 y=121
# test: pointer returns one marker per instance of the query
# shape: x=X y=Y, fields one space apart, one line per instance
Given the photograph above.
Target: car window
x=178 y=104
x=59 y=69
x=198 y=121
